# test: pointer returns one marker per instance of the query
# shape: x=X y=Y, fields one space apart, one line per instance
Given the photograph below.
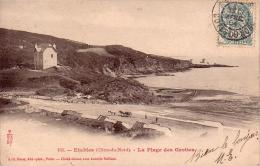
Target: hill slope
x=91 y=70
x=17 y=48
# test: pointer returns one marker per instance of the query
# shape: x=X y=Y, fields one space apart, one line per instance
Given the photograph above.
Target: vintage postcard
x=133 y=82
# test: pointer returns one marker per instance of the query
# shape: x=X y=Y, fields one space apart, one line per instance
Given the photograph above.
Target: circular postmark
x=232 y=20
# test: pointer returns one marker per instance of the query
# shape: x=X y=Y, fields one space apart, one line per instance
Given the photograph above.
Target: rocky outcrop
x=131 y=61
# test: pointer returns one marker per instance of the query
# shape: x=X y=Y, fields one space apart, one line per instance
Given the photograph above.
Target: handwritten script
x=226 y=150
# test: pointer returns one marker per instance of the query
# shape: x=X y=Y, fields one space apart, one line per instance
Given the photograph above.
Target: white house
x=45 y=56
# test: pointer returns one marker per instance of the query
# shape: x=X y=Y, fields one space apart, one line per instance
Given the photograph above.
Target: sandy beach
x=45 y=134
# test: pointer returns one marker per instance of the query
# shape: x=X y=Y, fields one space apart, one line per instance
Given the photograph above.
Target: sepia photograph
x=133 y=82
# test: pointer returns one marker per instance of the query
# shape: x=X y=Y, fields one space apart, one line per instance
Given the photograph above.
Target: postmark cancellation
x=234 y=22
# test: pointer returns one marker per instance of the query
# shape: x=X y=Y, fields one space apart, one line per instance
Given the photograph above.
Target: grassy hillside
x=92 y=70
x=69 y=82
x=17 y=48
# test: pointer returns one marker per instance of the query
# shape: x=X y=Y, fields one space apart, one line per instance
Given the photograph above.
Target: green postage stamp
x=234 y=22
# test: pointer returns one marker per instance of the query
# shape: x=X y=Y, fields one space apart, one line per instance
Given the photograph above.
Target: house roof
x=41 y=47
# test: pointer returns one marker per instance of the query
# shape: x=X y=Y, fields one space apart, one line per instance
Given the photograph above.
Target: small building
x=138 y=125
x=71 y=113
x=101 y=118
x=45 y=56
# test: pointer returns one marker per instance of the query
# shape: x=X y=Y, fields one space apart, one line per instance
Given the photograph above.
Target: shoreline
x=179 y=116
x=178 y=110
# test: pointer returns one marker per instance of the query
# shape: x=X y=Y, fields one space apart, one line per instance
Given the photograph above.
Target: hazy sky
x=166 y=27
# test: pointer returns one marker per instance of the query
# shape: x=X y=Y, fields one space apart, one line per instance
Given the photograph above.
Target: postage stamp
x=234 y=22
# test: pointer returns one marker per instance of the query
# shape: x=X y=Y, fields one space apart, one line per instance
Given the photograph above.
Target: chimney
x=37 y=48
x=54 y=45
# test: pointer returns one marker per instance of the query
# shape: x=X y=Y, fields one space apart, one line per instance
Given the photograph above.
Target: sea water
x=243 y=79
